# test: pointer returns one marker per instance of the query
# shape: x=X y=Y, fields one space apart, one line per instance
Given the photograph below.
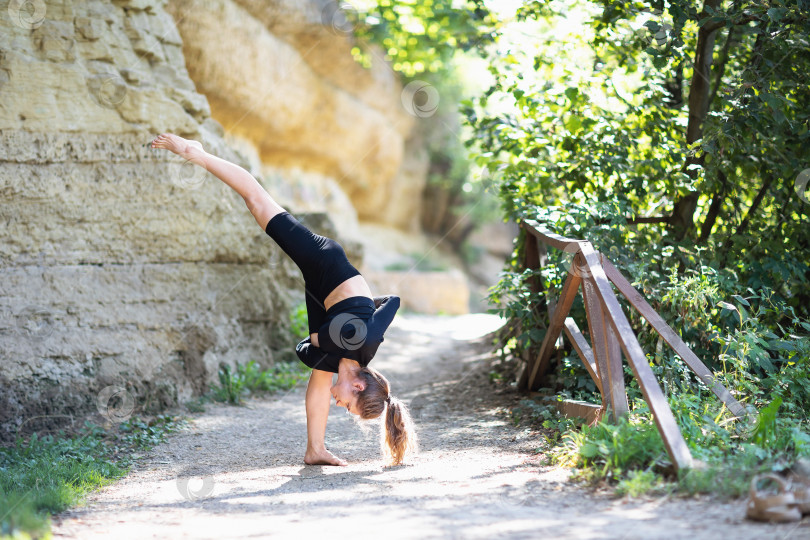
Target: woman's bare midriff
x=354 y=286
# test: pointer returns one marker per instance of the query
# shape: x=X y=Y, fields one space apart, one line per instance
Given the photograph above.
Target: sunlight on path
x=461 y=327
x=237 y=472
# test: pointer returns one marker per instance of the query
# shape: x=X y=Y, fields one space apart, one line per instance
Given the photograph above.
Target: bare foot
x=180 y=146
x=322 y=457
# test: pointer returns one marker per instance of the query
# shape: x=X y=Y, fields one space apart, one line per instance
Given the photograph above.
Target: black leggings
x=321 y=260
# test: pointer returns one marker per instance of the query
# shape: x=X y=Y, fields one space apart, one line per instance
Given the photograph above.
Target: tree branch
x=683 y=211
x=721 y=68
x=748 y=216
x=714 y=209
x=639 y=220
x=754 y=205
x=711 y=27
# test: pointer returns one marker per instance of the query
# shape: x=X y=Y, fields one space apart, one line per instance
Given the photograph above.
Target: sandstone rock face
x=120 y=266
x=126 y=271
x=280 y=74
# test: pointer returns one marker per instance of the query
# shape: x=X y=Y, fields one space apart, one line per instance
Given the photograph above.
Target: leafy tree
x=674 y=137
x=421 y=40
x=422 y=36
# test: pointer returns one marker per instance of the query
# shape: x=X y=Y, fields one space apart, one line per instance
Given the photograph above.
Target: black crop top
x=353 y=329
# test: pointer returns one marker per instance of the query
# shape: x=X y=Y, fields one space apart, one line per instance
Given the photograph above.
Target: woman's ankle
x=316 y=448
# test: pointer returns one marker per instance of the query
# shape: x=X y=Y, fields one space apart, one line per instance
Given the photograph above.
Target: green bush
x=250 y=378
x=299 y=321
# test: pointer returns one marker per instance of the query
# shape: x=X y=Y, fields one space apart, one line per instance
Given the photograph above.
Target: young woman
x=346 y=323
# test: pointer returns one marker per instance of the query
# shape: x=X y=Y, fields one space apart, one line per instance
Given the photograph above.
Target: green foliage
x=591 y=124
x=610 y=450
x=588 y=133
x=231 y=385
x=299 y=321
x=428 y=44
x=143 y=435
x=49 y=474
x=421 y=37
x=250 y=378
x=640 y=482
x=730 y=451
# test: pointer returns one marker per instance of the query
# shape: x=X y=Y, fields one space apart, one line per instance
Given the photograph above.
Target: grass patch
x=251 y=379
x=630 y=455
x=46 y=475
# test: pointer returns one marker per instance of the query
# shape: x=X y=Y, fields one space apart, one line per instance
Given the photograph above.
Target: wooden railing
x=611 y=335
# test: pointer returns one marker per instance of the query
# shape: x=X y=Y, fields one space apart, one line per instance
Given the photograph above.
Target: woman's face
x=345 y=392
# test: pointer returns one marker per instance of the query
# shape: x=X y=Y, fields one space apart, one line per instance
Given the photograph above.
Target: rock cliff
x=121 y=266
x=280 y=75
x=127 y=274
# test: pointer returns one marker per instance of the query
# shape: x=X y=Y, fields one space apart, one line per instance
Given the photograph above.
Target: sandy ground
x=238 y=472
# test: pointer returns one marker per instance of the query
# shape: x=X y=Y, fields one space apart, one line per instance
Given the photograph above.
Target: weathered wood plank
x=638 y=301
x=571 y=408
x=530 y=378
x=555 y=240
x=596 y=329
x=590 y=412
x=531 y=260
x=618 y=394
x=673 y=439
x=584 y=351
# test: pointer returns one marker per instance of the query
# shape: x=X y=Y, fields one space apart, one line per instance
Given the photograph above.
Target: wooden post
x=613 y=391
x=667 y=427
x=615 y=373
x=533 y=260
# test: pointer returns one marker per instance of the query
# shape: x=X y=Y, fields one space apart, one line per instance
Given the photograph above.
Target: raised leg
x=317 y=403
x=258 y=201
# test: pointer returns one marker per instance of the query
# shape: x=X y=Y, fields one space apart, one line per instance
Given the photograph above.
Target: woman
x=346 y=323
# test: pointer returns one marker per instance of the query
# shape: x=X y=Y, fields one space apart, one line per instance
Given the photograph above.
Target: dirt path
x=238 y=471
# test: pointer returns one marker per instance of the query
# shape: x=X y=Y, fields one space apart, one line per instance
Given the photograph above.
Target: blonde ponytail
x=397 y=434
